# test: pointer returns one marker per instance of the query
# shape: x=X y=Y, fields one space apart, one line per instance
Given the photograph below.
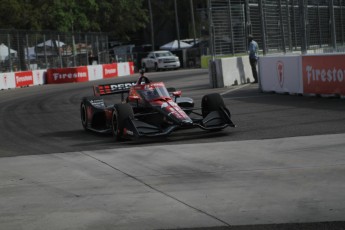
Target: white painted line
x=231 y=90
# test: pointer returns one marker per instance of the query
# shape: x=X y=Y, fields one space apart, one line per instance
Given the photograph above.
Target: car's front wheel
x=83 y=115
x=211 y=102
x=120 y=114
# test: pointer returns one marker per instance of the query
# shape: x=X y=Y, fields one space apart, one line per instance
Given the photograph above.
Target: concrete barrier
x=231 y=71
x=281 y=74
x=64 y=75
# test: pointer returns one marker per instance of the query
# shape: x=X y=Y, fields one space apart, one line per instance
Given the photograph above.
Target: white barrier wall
x=39 y=76
x=64 y=75
x=322 y=74
x=95 y=72
x=7 y=81
x=281 y=74
x=233 y=71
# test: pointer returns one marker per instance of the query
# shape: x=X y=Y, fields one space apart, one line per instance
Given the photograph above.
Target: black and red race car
x=149 y=109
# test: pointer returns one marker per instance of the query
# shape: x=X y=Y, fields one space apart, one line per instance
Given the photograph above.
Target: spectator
x=253 y=49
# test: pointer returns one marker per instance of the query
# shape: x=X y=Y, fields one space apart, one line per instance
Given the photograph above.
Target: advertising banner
x=7 y=81
x=67 y=75
x=281 y=74
x=95 y=72
x=24 y=78
x=38 y=76
x=131 y=68
x=324 y=74
x=123 y=69
x=110 y=70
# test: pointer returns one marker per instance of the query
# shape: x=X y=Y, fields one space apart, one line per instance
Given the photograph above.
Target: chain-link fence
x=25 y=50
x=277 y=25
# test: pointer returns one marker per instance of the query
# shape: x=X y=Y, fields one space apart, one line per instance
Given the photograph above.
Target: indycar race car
x=149 y=109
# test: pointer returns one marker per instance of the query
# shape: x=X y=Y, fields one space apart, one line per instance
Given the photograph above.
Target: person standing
x=253 y=49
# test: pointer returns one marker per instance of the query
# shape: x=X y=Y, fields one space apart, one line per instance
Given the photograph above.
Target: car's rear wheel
x=120 y=114
x=211 y=102
x=83 y=115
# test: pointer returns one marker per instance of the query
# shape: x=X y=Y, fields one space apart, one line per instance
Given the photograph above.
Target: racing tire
x=83 y=115
x=120 y=114
x=211 y=102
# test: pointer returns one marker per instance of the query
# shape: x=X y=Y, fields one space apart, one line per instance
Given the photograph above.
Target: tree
x=120 y=18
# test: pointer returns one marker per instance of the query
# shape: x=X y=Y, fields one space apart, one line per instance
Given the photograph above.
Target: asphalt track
x=282 y=167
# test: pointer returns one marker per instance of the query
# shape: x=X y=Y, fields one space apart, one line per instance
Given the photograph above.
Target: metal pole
x=193 y=20
x=289 y=24
x=45 y=51
x=211 y=30
x=263 y=32
x=177 y=25
x=334 y=34
x=319 y=25
x=9 y=52
x=151 y=25
x=58 y=48
x=303 y=26
x=282 y=25
x=231 y=30
x=294 y=24
x=341 y=22
x=27 y=51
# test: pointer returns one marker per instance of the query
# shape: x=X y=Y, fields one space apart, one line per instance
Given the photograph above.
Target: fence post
x=334 y=34
x=9 y=51
x=341 y=21
x=303 y=27
x=231 y=30
x=58 y=49
x=289 y=25
x=282 y=25
x=27 y=52
x=263 y=29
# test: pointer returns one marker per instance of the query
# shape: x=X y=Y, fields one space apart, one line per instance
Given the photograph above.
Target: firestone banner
x=110 y=70
x=324 y=74
x=67 y=75
x=23 y=78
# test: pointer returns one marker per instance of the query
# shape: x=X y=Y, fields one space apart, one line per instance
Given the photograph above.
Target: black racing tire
x=83 y=115
x=120 y=114
x=211 y=102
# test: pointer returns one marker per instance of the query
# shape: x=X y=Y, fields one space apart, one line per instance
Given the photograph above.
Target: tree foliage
x=117 y=17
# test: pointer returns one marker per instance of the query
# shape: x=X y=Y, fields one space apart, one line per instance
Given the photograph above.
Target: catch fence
x=279 y=26
x=28 y=50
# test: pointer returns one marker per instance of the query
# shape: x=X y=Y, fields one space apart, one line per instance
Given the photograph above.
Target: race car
x=149 y=109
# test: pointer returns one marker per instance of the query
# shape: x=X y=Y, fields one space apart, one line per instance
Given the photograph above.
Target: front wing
x=214 y=121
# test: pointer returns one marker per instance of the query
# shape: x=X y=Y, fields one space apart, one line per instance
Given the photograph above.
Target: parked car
x=159 y=60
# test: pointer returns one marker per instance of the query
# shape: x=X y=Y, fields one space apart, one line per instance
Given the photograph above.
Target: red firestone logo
x=280 y=72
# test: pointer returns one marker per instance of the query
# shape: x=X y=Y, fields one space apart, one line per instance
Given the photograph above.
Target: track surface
x=44 y=120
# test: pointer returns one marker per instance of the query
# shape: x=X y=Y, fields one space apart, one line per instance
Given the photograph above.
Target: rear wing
x=113 y=88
